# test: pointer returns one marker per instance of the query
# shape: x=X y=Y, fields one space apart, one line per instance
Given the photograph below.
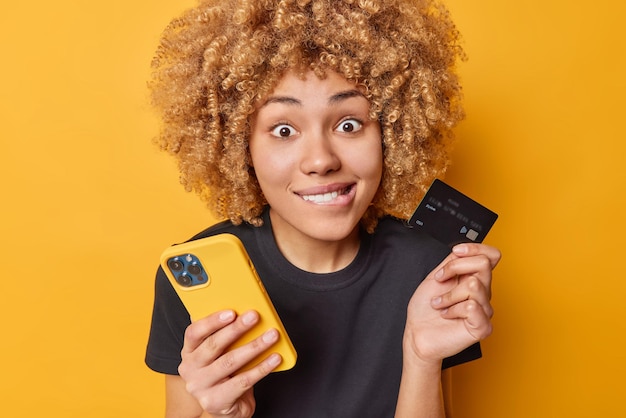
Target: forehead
x=291 y=78
x=296 y=88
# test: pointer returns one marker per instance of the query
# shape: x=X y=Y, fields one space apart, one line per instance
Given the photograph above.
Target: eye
x=283 y=131
x=349 y=126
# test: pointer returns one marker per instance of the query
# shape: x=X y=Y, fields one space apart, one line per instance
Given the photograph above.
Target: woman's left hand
x=451 y=309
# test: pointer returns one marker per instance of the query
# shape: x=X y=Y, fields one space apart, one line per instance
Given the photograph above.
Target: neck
x=314 y=255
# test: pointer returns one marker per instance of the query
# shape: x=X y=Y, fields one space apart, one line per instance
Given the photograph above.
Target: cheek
x=269 y=168
x=372 y=162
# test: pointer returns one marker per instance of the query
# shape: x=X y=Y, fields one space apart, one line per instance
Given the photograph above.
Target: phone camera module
x=194 y=268
x=184 y=279
x=175 y=264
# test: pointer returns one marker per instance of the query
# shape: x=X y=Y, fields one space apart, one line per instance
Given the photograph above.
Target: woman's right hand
x=211 y=372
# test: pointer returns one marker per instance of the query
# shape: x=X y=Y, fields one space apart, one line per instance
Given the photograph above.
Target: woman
x=314 y=127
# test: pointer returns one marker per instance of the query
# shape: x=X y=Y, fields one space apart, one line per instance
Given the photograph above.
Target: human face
x=317 y=157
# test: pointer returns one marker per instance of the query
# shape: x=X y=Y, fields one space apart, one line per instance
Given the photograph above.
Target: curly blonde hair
x=220 y=58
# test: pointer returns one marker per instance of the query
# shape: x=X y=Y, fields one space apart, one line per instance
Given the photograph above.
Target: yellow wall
x=88 y=204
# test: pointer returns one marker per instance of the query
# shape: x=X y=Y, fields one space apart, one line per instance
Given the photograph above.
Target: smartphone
x=215 y=273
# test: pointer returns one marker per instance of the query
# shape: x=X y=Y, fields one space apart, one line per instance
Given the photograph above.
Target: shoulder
x=218 y=228
x=245 y=232
x=252 y=237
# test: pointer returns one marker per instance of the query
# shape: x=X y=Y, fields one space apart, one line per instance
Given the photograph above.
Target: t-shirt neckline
x=305 y=279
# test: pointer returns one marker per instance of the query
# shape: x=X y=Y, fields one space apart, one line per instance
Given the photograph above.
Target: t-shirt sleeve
x=473 y=352
x=170 y=319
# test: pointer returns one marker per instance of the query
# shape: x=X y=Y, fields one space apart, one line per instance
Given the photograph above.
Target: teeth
x=320 y=198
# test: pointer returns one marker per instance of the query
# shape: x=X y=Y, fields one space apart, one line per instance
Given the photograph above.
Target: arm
x=446 y=386
x=448 y=312
x=178 y=402
x=420 y=391
x=435 y=397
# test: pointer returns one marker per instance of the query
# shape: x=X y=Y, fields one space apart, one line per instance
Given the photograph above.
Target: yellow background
x=88 y=204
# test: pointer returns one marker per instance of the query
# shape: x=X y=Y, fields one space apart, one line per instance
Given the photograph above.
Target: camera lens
x=175 y=264
x=184 y=280
x=194 y=269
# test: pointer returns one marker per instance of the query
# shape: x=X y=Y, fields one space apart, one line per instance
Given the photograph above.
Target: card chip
x=471 y=234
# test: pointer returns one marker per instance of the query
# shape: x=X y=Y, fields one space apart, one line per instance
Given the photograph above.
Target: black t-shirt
x=346 y=326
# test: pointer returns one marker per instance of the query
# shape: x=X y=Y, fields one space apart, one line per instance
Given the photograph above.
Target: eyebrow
x=332 y=100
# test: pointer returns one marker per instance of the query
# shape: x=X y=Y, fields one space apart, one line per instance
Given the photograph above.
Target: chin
x=331 y=232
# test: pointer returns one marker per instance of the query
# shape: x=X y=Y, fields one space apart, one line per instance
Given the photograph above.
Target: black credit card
x=451 y=217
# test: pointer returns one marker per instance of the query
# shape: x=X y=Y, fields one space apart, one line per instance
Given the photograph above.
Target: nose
x=319 y=156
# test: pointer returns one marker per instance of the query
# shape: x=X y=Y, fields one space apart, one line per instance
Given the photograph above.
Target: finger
x=230 y=390
x=476 y=321
x=477 y=265
x=248 y=378
x=233 y=360
x=465 y=250
x=217 y=342
x=198 y=331
x=470 y=249
x=438 y=272
x=469 y=287
x=223 y=368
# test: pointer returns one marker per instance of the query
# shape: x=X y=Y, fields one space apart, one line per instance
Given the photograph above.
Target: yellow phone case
x=215 y=273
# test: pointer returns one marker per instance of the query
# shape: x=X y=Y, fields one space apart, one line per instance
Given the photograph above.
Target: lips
x=325 y=194
x=319 y=198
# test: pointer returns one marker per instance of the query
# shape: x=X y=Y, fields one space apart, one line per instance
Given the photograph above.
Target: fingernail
x=249 y=318
x=437 y=300
x=270 y=336
x=274 y=360
x=439 y=274
x=227 y=316
x=460 y=249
